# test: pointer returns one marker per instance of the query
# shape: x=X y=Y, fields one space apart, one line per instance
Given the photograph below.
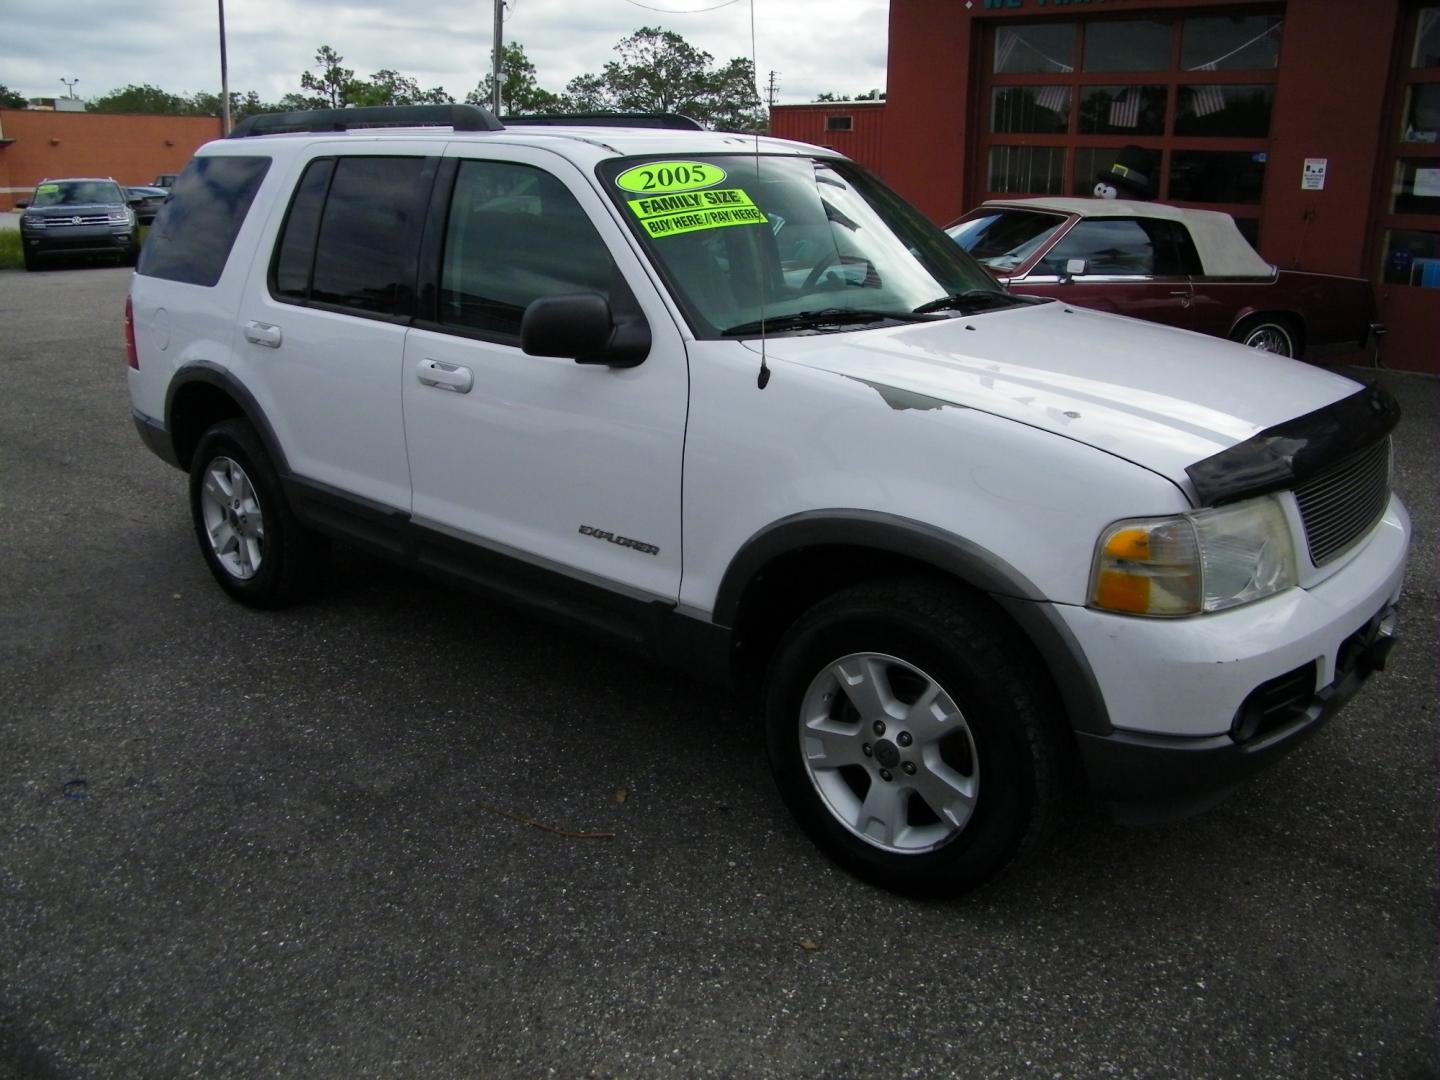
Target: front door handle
x=445 y=376
x=259 y=333
x=1184 y=293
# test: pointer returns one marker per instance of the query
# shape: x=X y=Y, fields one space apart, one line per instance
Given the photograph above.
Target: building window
x=1408 y=229
x=1122 y=110
x=1230 y=43
x=1026 y=170
x=1131 y=45
x=1226 y=111
x=1201 y=112
x=1031 y=109
x=838 y=123
x=1043 y=49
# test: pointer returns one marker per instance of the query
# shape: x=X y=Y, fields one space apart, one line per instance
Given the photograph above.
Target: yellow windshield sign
x=658 y=177
x=46 y=189
x=691 y=211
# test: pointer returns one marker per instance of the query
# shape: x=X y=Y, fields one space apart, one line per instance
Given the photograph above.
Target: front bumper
x=1149 y=778
x=80 y=240
x=1186 y=699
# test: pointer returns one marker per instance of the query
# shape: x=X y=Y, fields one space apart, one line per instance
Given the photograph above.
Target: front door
x=566 y=466
x=1130 y=266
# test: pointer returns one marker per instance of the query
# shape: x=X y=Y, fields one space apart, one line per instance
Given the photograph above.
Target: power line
x=690 y=11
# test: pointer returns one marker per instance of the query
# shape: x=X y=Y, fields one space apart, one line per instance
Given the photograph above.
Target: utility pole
x=499 y=47
x=772 y=87
x=69 y=87
x=224 y=77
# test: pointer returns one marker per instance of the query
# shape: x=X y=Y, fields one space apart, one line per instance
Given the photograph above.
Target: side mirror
x=1076 y=267
x=21 y=204
x=581 y=326
x=137 y=202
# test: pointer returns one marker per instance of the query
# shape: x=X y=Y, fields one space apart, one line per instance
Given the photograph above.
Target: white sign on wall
x=1313 y=178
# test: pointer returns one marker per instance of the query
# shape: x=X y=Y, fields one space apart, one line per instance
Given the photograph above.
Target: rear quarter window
x=196 y=228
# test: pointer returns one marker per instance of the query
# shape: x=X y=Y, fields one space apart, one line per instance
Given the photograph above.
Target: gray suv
x=85 y=216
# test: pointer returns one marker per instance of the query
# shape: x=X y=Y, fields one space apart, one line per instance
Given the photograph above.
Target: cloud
x=814 y=45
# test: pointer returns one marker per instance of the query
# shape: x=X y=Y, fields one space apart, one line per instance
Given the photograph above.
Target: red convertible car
x=1188 y=268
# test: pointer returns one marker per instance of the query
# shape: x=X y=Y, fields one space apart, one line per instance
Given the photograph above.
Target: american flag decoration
x=1054 y=98
x=1206 y=100
x=1125 y=108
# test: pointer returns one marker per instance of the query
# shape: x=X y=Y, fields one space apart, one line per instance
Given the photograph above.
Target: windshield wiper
x=834 y=316
x=969 y=301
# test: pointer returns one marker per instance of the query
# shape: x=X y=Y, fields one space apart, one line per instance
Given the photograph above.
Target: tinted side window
x=295 y=252
x=195 y=229
x=515 y=233
x=1138 y=247
x=369 y=234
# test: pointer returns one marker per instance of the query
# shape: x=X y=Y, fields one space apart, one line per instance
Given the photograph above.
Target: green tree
x=205 y=103
x=334 y=87
x=387 y=87
x=141 y=99
x=659 y=71
x=10 y=99
x=520 y=92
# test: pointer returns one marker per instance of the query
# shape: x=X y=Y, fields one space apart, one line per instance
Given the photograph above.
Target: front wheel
x=913 y=736
x=255 y=547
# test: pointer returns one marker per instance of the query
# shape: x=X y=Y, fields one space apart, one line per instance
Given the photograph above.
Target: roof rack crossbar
x=601 y=119
x=459 y=117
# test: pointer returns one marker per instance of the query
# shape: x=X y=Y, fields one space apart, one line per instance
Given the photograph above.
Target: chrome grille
x=85 y=219
x=1341 y=504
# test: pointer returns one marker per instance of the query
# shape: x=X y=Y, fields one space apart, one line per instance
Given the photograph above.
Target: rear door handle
x=259 y=333
x=445 y=376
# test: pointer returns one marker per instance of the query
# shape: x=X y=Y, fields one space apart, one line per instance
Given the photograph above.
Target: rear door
x=323 y=330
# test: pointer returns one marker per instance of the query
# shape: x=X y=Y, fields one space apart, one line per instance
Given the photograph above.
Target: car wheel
x=913 y=736
x=256 y=548
x=1268 y=334
x=32 y=261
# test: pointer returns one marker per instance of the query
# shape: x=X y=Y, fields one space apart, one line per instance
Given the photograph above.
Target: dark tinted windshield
x=77 y=193
x=746 y=238
x=1003 y=239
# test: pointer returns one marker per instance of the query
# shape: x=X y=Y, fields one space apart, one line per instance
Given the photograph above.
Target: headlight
x=122 y=217
x=1206 y=560
x=32 y=221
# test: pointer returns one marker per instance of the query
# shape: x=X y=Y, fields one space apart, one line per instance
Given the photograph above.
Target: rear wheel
x=1269 y=333
x=255 y=547
x=913 y=736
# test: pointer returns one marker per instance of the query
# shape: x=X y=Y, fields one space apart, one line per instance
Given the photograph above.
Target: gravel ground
x=248 y=845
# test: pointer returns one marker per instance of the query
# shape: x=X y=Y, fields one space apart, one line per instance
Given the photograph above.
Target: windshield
x=802 y=244
x=1002 y=240
x=76 y=193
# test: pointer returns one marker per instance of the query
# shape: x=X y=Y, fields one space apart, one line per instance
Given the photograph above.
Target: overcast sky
x=813 y=45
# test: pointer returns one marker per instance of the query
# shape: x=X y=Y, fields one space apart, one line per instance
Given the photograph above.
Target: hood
x=1160 y=397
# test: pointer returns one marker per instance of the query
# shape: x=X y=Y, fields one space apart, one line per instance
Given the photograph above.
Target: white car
x=734 y=404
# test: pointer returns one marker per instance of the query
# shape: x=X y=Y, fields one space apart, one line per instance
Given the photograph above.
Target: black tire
x=252 y=542
x=32 y=261
x=1006 y=745
x=1269 y=333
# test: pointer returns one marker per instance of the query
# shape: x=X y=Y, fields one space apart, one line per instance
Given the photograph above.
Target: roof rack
x=601 y=119
x=459 y=117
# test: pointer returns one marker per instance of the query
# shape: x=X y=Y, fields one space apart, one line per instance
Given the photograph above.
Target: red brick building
x=36 y=143
x=1316 y=123
x=853 y=128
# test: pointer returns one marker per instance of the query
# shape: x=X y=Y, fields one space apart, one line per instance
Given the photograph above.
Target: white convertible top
x=1224 y=252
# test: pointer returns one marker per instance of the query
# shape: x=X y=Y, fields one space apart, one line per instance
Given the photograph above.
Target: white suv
x=734 y=404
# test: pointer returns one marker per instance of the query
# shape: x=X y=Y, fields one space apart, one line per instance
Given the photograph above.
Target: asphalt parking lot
x=256 y=845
